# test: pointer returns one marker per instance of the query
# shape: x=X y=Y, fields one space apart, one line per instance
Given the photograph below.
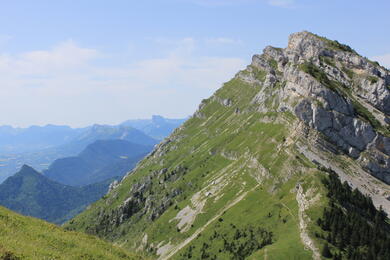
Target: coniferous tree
x=326 y=251
x=352 y=224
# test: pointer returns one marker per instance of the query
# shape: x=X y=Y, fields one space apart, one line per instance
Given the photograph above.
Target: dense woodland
x=238 y=244
x=353 y=227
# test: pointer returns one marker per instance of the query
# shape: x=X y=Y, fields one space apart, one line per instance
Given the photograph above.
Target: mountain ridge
x=262 y=145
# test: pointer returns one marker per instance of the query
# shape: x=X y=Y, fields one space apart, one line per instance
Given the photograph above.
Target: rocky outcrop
x=303 y=204
x=351 y=134
x=143 y=199
x=333 y=90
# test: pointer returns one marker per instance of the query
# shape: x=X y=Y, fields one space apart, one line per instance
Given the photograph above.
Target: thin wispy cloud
x=63 y=57
x=70 y=85
x=222 y=40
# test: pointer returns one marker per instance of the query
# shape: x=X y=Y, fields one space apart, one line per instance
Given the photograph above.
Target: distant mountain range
x=106 y=132
x=15 y=140
x=70 y=183
x=158 y=127
x=99 y=161
x=78 y=165
x=32 y=194
x=21 y=140
x=39 y=146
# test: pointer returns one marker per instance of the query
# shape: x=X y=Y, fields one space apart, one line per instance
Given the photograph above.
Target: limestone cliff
x=332 y=89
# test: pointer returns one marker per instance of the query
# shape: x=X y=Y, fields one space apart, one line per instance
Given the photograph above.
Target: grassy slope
x=220 y=144
x=29 y=238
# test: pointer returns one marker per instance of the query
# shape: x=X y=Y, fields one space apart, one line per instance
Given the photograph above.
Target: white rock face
x=329 y=103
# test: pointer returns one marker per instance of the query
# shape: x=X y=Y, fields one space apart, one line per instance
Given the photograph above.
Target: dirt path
x=289 y=210
x=303 y=204
x=266 y=254
x=178 y=247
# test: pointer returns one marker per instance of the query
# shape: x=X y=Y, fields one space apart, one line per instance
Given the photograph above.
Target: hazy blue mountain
x=30 y=193
x=106 y=132
x=99 y=161
x=158 y=127
x=19 y=140
x=41 y=159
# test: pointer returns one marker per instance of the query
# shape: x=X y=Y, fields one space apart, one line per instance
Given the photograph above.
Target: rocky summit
x=333 y=90
x=288 y=160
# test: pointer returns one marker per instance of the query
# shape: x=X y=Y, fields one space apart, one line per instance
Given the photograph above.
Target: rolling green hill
x=249 y=176
x=29 y=238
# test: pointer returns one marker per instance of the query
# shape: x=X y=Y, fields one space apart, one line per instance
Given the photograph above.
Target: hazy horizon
x=96 y=123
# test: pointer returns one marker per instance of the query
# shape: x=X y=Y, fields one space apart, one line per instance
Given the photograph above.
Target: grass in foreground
x=29 y=238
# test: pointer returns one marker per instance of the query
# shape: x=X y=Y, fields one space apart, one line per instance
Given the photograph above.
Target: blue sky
x=83 y=62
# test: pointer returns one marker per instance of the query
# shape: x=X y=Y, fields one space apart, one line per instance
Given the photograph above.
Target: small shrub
x=339 y=46
x=273 y=64
x=326 y=251
x=327 y=60
x=372 y=79
x=8 y=256
x=259 y=74
x=348 y=72
x=318 y=74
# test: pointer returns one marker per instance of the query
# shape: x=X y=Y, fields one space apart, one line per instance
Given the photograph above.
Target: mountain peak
x=332 y=89
x=158 y=119
x=305 y=46
x=305 y=42
x=26 y=169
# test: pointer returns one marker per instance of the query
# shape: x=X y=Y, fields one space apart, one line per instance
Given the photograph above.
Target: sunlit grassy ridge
x=242 y=152
x=29 y=238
